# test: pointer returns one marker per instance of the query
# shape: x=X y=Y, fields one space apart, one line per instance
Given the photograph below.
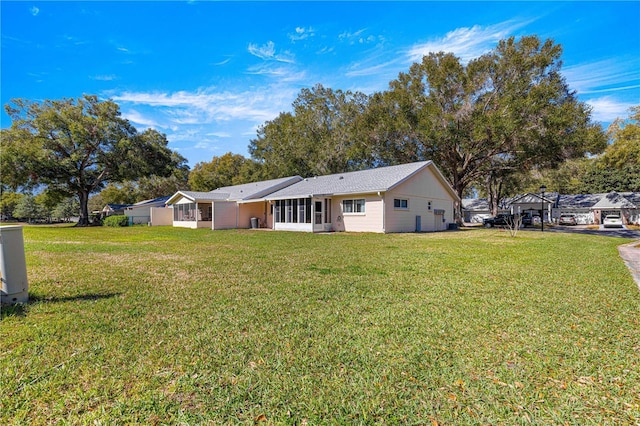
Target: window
x=429 y=205
x=399 y=203
x=353 y=206
x=184 y=212
x=293 y=211
x=327 y=210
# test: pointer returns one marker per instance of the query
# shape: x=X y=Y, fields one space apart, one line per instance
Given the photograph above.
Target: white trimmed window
x=400 y=203
x=353 y=206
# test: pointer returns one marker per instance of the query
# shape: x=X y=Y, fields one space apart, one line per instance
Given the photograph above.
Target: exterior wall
x=248 y=210
x=161 y=216
x=369 y=221
x=186 y=224
x=224 y=215
x=583 y=216
x=138 y=215
x=475 y=216
x=419 y=191
x=301 y=227
x=632 y=216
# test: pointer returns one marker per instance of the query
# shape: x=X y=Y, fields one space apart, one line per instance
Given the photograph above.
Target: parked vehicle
x=567 y=219
x=612 y=221
x=507 y=219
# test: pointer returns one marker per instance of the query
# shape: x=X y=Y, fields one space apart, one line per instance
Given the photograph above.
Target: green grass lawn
x=163 y=326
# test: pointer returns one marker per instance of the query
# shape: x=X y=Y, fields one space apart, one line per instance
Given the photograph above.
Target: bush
x=115 y=221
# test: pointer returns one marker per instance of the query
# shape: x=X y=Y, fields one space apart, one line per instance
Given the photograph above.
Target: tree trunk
x=494 y=190
x=83 y=197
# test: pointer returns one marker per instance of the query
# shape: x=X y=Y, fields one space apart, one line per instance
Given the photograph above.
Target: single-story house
x=579 y=205
x=112 y=210
x=228 y=207
x=475 y=210
x=140 y=213
x=617 y=204
x=534 y=204
x=410 y=197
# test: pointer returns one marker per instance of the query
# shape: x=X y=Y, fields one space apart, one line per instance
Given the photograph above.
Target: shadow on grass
x=21 y=309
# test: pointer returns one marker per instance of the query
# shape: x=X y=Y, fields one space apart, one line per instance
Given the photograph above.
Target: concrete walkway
x=630 y=253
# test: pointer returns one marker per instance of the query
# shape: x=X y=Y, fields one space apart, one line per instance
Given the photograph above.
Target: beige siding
x=224 y=215
x=161 y=216
x=369 y=221
x=249 y=210
x=421 y=189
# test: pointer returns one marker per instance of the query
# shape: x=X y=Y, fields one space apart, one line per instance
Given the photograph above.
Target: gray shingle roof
x=475 y=204
x=360 y=182
x=614 y=200
x=244 y=192
x=578 y=201
x=249 y=191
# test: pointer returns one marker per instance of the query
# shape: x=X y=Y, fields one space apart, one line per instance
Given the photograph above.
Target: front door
x=318 y=225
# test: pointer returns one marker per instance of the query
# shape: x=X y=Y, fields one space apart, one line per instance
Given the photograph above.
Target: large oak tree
x=78 y=146
x=507 y=111
x=317 y=138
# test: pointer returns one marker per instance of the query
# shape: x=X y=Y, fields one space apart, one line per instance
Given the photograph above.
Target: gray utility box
x=13 y=268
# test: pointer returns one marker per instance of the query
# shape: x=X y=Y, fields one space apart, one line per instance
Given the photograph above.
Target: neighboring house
x=405 y=198
x=534 y=204
x=113 y=209
x=579 y=205
x=227 y=208
x=140 y=213
x=475 y=210
x=617 y=204
x=588 y=208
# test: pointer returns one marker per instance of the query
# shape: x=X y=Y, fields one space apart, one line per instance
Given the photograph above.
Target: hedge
x=115 y=221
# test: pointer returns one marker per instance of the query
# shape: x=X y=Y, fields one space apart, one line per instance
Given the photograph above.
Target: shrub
x=115 y=221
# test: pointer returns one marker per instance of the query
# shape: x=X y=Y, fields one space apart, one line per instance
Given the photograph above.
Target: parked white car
x=612 y=221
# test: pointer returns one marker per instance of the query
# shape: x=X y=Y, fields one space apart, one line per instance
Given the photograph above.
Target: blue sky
x=207 y=74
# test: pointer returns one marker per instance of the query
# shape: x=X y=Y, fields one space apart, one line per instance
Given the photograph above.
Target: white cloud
x=34 y=11
x=467 y=43
x=268 y=52
x=219 y=134
x=205 y=106
x=301 y=33
x=283 y=74
x=137 y=118
x=604 y=76
x=351 y=37
x=607 y=108
x=109 y=77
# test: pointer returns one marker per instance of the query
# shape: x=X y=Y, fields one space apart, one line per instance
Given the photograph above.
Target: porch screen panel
x=301 y=210
x=307 y=212
x=184 y=212
x=289 y=204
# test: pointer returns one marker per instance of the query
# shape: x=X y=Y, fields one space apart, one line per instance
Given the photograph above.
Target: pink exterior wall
x=259 y=209
x=369 y=221
x=161 y=216
x=224 y=215
x=419 y=190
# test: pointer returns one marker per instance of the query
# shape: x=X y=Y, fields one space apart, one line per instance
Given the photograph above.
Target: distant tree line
x=498 y=125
